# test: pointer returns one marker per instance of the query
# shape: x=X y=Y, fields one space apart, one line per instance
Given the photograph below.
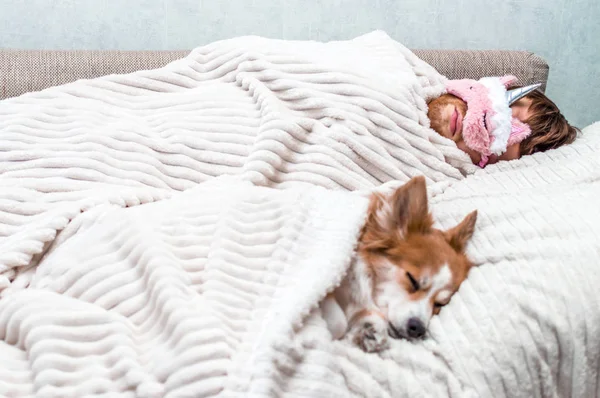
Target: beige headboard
x=22 y=71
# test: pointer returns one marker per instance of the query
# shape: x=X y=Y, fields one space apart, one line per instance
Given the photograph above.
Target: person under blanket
x=470 y=113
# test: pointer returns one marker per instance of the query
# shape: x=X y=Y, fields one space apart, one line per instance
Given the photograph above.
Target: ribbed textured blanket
x=129 y=271
x=343 y=115
x=198 y=295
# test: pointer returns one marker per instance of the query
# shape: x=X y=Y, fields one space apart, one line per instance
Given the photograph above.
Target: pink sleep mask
x=488 y=126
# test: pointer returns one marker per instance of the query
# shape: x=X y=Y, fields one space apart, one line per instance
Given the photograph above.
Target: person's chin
x=445 y=132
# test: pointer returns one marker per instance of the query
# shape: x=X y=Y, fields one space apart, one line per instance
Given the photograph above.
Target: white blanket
x=344 y=115
x=215 y=290
x=198 y=295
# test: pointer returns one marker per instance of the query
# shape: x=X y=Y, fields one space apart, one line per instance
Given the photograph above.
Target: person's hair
x=549 y=128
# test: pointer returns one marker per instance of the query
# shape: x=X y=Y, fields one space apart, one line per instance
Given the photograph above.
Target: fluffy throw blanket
x=143 y=280
x=343 y=115
x=204 y=294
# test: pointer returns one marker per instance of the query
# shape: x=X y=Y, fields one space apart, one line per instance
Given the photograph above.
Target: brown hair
x=549 y=128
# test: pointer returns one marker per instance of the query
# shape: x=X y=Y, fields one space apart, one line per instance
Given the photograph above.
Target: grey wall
x=565 y=32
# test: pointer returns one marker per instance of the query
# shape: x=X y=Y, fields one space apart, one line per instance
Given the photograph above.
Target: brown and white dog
x=404 y=272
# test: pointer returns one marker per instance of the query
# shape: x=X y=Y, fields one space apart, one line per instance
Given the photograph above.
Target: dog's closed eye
x=413 y=282
x=437 y=307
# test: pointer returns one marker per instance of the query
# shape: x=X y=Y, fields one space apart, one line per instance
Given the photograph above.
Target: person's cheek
x=475 y=156
x=512 y=152
x=515 y=112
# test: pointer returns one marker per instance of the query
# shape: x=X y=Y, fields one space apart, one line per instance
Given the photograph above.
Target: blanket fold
x=127 y=268
x=343 y=115
x=198 y=294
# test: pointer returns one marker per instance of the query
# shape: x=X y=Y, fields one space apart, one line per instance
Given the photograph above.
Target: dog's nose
x=415 y=328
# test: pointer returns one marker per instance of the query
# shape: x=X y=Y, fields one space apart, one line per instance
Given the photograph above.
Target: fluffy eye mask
x=488 y=126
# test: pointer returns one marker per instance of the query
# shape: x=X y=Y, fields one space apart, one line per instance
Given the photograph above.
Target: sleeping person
x=490 y=122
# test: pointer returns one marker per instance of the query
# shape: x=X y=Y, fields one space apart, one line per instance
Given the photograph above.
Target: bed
x=169 y=224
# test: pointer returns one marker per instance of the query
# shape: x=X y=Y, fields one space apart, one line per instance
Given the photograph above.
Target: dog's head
x=415 y=268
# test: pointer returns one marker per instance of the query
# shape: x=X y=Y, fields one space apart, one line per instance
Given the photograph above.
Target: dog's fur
x=404 y=271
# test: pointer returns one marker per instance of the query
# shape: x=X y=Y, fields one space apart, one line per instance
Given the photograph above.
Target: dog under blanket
x=128 y=269
x=344 y=115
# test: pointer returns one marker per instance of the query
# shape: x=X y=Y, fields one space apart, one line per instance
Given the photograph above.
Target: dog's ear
x=411 y=209
x=458 y=236
x=376 y=232
x=391 y=217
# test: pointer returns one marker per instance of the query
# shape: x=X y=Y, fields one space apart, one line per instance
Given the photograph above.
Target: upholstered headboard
x=22 y=71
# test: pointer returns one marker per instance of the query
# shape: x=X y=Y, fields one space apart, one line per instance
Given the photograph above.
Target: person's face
x=447 y=112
